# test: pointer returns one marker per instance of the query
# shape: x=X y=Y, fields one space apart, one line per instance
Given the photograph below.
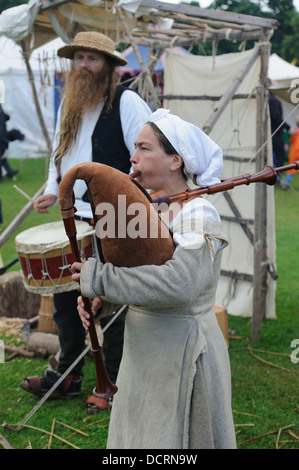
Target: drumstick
x=24 y=194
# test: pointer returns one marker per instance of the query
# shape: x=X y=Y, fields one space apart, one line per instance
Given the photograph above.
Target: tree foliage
x=285 y=38
x=289 y=47
x=5 y=4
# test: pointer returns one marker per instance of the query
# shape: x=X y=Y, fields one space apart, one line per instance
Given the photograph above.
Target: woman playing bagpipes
x=174 y=385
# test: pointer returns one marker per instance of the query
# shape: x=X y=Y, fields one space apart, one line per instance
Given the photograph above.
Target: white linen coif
x=201 y=155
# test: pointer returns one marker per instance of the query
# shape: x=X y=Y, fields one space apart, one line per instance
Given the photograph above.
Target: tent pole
x=223 y=102
x=35 y=97
x=260 y=228
x=29 y=206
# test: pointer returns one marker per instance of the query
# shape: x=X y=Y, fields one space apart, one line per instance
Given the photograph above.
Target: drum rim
x=30 y=248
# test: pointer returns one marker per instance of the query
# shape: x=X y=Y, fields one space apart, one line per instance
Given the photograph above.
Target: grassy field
x=265 y=382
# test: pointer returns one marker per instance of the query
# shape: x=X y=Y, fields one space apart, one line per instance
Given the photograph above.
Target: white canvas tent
x=162 y=26
x=18 y=99
x=235 y=133
x=280 y=70
x=285 y=82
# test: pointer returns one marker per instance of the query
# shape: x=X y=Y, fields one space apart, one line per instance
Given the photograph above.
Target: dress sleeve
x=107 y=308
x=174 y=283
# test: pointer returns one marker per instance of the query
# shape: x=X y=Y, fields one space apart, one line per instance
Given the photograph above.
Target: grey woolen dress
x=174 y=383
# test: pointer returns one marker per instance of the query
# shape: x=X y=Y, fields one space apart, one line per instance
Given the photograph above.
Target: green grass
x=259 y=388
x=265 y=395
x=16 y=404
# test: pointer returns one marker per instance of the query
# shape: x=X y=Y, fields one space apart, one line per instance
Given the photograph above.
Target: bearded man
x=98 y=120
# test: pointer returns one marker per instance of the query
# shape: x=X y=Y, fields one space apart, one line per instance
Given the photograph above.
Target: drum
x=46 y=257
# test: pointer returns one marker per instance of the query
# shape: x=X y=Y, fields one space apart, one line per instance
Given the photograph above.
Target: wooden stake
x=260 y=265
x=54 y=435
x=4 y=443
x=246 y=414
x=73 y=429
x=279 y=433
x=51 y=434
x=258 y=437
x=293 y=435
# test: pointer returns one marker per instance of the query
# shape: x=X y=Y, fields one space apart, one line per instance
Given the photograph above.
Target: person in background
x=278 y=127
x=6 y=137
x=98 y=120
x=293 y=157
x=174 y=386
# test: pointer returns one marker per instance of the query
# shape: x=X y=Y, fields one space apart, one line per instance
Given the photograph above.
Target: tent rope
x=63 y=376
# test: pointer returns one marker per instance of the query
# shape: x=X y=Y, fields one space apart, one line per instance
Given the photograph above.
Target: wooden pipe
x=104 y=387
x=268 y=175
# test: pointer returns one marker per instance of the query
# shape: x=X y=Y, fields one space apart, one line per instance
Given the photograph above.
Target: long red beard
x=83 y=92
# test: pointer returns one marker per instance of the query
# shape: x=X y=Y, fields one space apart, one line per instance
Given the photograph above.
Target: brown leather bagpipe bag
x=132 y=234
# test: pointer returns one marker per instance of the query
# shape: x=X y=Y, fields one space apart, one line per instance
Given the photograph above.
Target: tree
x=285 y=12
x=5 y=4
x=284 y=38
x=289 y=47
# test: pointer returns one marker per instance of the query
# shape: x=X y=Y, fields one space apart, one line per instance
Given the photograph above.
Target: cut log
x=16 y=301
x=17 y=352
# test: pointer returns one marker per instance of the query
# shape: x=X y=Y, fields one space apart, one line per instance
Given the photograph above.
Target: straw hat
x=92 y=41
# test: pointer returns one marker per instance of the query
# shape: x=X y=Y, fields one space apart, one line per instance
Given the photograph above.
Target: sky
x=206 y=3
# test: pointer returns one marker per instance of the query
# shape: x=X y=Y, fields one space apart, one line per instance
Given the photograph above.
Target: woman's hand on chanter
x=83 y=314
x=76 y=269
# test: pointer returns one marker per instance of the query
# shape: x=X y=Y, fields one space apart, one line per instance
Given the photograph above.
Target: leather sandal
x=96 y=405
x=39 y=385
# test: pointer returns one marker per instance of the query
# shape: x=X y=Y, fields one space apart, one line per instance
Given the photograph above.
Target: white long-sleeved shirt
x=199 y=211
x=134 y=114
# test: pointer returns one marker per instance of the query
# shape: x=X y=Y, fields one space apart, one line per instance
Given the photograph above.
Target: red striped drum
x=46 y=257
